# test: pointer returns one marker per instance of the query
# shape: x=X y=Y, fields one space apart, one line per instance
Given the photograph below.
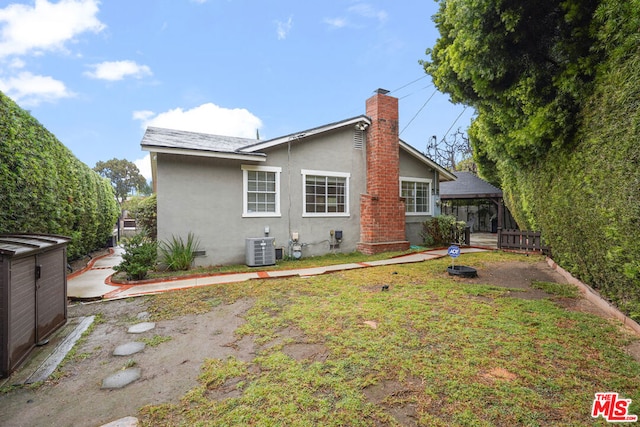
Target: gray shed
x=33 y=294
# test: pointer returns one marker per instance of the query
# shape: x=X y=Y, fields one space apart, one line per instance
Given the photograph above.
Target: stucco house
x=345 y=186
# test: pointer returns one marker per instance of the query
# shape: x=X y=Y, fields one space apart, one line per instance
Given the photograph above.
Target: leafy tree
x=524 y=66
x=124 y=176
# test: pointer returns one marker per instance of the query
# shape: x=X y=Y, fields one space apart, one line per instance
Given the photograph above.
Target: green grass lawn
x=434 y=351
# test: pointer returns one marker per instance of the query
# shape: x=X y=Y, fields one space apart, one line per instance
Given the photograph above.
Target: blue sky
x=97 y=73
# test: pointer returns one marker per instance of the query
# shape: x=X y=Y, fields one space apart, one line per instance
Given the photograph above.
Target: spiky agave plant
x=177 y=254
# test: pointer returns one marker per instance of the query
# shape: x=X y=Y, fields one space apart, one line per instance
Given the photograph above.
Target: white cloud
x=206 y=118
x=367 y=11
x=143 y=115
x=283 y=28
x=336 y=22
x=118 y=70
x=144 y=166
x=45 y=26
x=16 y=63
x=356 y=12
x=30 y=90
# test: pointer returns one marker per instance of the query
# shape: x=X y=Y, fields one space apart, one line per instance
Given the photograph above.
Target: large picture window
x=417 y=195
x=261 y=191
x=325 y=193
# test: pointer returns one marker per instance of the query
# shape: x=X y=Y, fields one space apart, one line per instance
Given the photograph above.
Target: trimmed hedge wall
x=586 y=199
x=46 y=189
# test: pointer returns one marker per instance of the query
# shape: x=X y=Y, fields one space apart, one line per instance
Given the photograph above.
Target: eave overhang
x=255 y=157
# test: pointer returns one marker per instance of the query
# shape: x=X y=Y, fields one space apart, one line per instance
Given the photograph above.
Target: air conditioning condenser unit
x=260 y=251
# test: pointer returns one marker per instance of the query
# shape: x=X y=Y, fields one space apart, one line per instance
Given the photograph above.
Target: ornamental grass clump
x=178 y=255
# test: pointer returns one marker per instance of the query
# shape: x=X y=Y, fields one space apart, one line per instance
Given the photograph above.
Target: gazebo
x=467 y=190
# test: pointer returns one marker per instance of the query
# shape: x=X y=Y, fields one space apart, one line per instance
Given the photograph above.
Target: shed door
x=22 y=314
x=50 y=292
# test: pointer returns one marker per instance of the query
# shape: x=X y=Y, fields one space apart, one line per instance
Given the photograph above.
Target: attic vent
x=358 y=140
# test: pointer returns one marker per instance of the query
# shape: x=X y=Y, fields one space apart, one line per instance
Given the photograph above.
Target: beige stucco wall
x=412 y=167
x=204 y=196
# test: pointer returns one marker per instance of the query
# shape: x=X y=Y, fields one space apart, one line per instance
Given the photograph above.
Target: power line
x=421 y=108
x=454 y=123
x=410 y=83
x=416 y=91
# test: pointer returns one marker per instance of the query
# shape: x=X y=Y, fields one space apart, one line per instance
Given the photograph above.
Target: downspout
x=436 y=192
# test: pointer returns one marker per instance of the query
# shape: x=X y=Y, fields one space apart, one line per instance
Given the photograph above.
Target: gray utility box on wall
x=33 y=294
x=261 y=251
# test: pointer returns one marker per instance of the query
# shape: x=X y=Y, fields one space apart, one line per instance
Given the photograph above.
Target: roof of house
x=363 y=121
x=468 y=186
x=171 y=141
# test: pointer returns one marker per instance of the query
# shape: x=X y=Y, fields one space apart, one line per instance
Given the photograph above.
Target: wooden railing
x=521 y=240
x=461 y=237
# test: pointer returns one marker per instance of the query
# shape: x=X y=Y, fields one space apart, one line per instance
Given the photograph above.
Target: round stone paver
x=129 y=348
x=141 y=327
x=122 y=378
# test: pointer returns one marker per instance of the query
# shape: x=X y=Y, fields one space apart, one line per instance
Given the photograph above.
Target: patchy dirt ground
x=170 y=369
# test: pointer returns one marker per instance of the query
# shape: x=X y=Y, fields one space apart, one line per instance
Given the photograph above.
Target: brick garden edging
x=594 y=297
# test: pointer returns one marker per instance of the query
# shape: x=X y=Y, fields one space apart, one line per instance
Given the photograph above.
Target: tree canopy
x=124 y=176
x=524 y=67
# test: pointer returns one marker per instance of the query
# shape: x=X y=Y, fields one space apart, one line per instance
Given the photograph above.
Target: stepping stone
x=123 y=422
x=122 y=378
x=143 y=316
x=141 y=327
x=129 y=348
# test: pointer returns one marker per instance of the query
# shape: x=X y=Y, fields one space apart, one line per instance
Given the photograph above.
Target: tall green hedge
x=44 y=188
x=556 y=88
x=586 y=199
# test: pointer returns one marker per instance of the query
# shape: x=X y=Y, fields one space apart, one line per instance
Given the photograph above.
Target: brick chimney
x=382 y=211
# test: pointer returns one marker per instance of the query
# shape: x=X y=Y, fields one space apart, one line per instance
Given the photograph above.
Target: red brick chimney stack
x=382 y=211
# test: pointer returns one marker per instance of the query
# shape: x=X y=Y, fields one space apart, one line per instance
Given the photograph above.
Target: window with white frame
x=261 y=191
x=325 y=193
x=417 y=195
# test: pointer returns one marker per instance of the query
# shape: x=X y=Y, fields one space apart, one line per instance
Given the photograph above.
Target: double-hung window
x=325 y=193
x=261 y=191
x=417 y=195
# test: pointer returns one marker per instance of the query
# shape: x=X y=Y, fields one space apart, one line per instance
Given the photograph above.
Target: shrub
x=144 y=211
x=585 y=201
x=441 y=230
x=178 y=254
x=140 y=255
